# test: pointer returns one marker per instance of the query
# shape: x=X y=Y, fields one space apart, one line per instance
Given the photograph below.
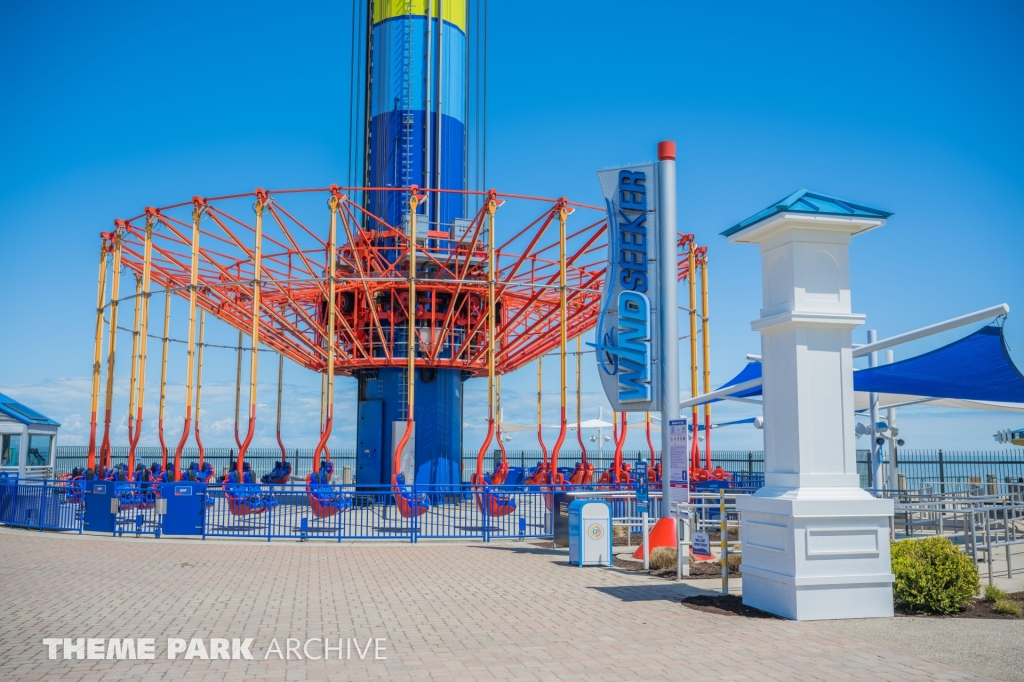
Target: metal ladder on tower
x=403 y=395
x=406 y=143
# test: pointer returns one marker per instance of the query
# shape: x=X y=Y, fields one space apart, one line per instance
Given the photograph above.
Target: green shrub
x=932 y=576
x=1006 y=607
x=993 y=593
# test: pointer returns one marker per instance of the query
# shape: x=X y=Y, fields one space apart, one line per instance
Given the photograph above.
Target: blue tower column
x=414 y=141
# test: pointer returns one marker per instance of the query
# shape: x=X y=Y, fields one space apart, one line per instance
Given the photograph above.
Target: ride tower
x=415 y=135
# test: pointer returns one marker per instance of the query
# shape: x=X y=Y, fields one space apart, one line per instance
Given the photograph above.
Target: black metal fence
x=919 y=466
x=960 y=466
x=260 y=459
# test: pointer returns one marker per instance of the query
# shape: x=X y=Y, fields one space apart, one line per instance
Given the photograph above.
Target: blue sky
x=911 y=107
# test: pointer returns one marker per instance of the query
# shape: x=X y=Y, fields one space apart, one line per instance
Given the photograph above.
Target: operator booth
x=27 y=440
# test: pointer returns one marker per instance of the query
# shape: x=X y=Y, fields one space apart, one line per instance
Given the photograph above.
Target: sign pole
x=647 y=545
x=669 y=310
x=643 y=505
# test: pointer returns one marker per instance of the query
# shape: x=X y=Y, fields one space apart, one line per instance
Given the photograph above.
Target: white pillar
x=815 y=545
x=669 y=312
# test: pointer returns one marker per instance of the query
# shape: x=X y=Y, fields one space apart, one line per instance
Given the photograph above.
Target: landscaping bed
x=725 y=605
x=987 y=608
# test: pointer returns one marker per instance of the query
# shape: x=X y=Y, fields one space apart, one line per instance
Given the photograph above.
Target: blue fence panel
x=41 y=504
x=520 y=511
x=137 y=509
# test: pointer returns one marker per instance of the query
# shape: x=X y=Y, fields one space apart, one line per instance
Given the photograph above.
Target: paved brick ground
x=449 y=612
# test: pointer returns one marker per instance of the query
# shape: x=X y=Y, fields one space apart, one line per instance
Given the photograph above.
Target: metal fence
x=960 y=466
x=41 y=504
x=358 y=512
x=918 y=466
x=260 y=459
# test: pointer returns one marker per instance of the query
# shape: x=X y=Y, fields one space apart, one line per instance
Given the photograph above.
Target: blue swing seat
x=497 y=505
x=409 y=506
x=323 y=498
x=280 y=474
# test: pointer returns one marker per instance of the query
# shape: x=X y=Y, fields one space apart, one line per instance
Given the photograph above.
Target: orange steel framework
x=484 y=302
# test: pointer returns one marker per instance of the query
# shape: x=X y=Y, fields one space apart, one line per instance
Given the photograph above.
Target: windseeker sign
x=628 y=336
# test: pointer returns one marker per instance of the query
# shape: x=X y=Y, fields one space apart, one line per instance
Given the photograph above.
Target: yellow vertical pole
x=706 y=360
x=193 y=291
x=478 y=477
x=691 y=278
x=133 y=375
x=147 y=271
x=563 y=342
x=579 y=406
x=280 y=383
x=615 y=442
x=723 y=530
x=199 y=385
x=257 y=280
x=410 y=345
x=238 y=389
x=97 y=357
x=163 y=377
x=327 y=380
x=500 y=418
x=323 y=399
x=540 y=407
x=115 y=282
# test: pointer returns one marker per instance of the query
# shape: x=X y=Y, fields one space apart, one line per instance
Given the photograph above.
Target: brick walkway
x=449 y=612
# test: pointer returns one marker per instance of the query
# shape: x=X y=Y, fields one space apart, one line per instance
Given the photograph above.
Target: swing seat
x=539 y=475
x=118 y=473
x=496 y=505
x=698 y=475
x=409 y=506
x=202 y=475
x=246 y=498
x=608 y=477
x=583 y=474
x=500 y=473
x=76 y=490
x=281 y=474
x=136 y=499
x=720 y=474
x=324 y=500
x=71 y=485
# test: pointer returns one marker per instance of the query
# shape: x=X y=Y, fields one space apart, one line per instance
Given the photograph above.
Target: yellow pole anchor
x=257 y=279
x=198 y=207
x=97 y=362
x=115 y=283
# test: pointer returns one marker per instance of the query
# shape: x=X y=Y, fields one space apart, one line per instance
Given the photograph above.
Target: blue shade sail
x=750 y=372
x=976 y=367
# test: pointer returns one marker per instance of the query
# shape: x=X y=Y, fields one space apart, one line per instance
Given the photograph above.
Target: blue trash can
x=590 y=533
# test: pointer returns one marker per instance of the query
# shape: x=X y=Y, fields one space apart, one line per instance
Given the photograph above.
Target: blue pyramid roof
x=806 y=201
x=22 y=413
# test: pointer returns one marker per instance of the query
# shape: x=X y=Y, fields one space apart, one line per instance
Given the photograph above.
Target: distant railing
x=917 y=466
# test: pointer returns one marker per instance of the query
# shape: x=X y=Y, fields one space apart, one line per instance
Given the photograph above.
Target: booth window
x=10 y=447
x=38 y=450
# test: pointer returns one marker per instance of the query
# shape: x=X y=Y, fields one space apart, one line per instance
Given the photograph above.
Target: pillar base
x=817 y=553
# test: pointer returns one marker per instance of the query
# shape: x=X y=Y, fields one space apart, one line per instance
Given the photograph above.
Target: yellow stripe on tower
x=454 y=10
